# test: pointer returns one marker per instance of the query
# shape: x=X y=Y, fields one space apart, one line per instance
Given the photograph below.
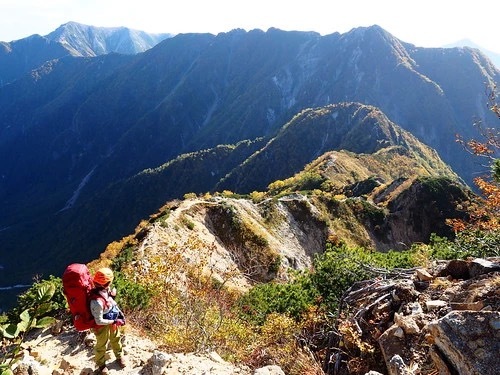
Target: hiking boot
x=102 y=370
x=121 y=362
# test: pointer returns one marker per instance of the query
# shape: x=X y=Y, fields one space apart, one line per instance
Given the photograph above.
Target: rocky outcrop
x=469 y=341
x=418 y=321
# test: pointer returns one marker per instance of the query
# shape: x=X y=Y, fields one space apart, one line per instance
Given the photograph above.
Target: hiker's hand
x=119 y=322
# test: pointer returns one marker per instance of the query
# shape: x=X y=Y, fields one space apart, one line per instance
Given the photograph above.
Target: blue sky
x=424 y=23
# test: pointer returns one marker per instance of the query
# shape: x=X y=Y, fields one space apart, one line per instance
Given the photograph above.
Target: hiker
x=109 y=319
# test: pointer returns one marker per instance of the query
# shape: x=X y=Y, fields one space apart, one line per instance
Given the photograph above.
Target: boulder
x=469 y=341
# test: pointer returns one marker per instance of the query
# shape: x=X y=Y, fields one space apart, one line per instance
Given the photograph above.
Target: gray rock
x=392 y=344
x=158 y=361
x=480 y=266
x=469 y=340
x=269 y=370
x=457 y=269
x=398 y=367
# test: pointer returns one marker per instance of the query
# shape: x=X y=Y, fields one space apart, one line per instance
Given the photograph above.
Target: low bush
x=291 y=299
x=468 y=243
x=333 y=273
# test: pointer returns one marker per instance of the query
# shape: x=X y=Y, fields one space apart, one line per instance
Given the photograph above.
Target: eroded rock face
x=468 y=340
x=420 y=210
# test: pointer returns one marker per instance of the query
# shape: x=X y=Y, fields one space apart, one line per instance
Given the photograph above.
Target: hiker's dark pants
x=103 y=334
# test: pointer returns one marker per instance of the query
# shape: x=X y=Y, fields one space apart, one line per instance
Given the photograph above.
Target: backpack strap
x=97 y=294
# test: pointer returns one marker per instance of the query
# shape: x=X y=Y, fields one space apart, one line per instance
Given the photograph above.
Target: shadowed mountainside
x=384 y=196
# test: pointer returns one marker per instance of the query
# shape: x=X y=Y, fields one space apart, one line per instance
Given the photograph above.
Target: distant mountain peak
x=375 y=38
x=367 y=31
x=85 y=40
x=493 y=56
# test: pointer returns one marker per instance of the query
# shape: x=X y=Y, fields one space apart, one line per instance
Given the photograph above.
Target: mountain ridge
x=19 y=57
x=345 y=126
x=86 y=41
x=493 y=56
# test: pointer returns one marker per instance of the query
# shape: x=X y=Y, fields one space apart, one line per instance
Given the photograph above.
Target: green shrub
x=38 y=304
x=31 y=297
x=291 y=299
x=309 y=181
x=130 y=295
x=396 y=259
x=478 y=243
x=341 y=266
x=124 y=257
x=163 y=218
x=188 y=223
x=468 y=243
x=334 y=272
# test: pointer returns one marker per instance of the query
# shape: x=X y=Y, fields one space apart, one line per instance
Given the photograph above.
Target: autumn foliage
x=484 y=213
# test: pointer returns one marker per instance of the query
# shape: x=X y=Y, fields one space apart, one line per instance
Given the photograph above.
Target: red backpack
x=77 y=286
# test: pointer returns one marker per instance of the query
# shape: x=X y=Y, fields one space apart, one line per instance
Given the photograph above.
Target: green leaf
x=11 y=331
x=7 y=371
x=23 y=326
x=43 y=309
x=45 y=292
x=25 y=316
x=45 y=322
